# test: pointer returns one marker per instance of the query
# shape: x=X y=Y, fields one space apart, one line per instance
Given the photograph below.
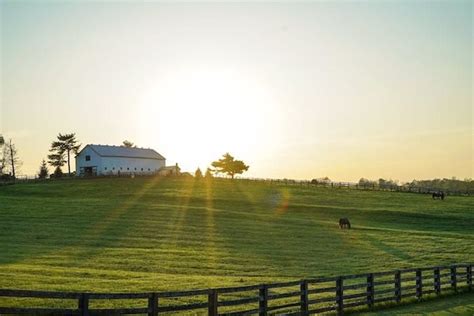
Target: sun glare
x=202 y=114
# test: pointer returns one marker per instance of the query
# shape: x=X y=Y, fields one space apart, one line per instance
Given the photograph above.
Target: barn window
x=113 y=168
x=142 y=169
x=148 y=169
x=128 y=168
x=105 y=168
x=135 y=168
x=88 y=158
x=120 y=168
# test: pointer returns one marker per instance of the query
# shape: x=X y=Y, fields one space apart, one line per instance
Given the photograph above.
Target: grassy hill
x=154 y=234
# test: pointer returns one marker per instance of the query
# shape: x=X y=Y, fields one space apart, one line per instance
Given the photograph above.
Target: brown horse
x=344 y=223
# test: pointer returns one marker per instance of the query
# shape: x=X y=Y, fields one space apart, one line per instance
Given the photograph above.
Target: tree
x=366 y=183
x=3 y=162
x=43 y=170
x=2 y=155
x=128 y=144
x=208 y=174
x=66 y=144
x=58 y=173
x=198 y=174
x=227 y=164
x=57 y=161
x=11 y=161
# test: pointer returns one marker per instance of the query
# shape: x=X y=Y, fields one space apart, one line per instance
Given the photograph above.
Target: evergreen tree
x=58 y=173
x=57 y=161
x=43 y=171
x=208 y=174
x=198 y=174
x=65 y=144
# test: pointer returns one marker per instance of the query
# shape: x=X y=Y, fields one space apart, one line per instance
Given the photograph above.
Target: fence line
x=365 y=187
x=302 y=297
x=335 y=185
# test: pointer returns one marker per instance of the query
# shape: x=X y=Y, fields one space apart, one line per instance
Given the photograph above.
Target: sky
x=301 y=90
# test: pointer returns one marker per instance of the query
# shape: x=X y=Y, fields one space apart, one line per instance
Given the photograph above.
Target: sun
x=198 y=115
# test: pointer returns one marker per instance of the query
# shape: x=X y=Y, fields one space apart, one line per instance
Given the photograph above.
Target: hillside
x=160 y=234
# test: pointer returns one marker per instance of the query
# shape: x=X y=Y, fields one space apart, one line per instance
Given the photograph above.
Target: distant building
x=115 y=160
x=170 y=171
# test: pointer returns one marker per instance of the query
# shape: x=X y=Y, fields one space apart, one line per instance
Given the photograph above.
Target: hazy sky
x=298 y=90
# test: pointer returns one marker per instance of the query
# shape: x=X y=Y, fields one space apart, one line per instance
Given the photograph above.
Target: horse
x=344 y=223
x=438 y=195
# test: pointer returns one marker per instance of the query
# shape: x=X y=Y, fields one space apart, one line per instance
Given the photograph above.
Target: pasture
x=159 y=234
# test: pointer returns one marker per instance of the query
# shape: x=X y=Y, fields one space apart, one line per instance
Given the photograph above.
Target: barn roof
x=126 y=152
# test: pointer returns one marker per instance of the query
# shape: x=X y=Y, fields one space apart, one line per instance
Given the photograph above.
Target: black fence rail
x=303 y=297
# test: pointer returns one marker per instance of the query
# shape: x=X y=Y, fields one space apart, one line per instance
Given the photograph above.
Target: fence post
x=304 y=297
x=263 y=300
x=398 y=286
x=437 y=281
x=212 y=303
x=469 y=276
x=339 y=294
x=453 y=278
x=370 y=290
x=84 y=304
x=153 y=304
x=419 y=284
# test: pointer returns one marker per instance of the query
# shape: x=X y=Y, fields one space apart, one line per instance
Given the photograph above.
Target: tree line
x=66 y=146
x=453 y=184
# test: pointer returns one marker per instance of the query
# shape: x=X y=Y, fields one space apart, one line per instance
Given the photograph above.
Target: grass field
x=155 y=234
x=453 y=305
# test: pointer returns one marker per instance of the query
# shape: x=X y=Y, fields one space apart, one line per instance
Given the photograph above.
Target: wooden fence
x=335 y=185
x=364 y=187
x=303 y=297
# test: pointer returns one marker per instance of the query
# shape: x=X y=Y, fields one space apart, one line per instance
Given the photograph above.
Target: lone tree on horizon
x=227 y=164
x=65 y=144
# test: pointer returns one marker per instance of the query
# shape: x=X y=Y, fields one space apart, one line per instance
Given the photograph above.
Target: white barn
x=114 y=160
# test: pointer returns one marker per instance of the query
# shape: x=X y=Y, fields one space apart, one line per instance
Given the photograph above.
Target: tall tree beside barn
x=228 y=165
x=66 y=144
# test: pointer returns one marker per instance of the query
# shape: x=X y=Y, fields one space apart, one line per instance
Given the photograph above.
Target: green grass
x=155 y=234
x=453 y=305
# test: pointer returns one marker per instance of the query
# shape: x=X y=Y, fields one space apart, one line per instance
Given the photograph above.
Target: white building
x=114 y=160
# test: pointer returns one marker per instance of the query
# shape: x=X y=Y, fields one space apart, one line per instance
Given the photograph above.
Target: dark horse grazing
x=344 y=223
x=438 y=195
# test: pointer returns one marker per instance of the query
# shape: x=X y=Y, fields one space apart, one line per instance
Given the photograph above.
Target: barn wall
x=112 y=165
x=95 y=161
